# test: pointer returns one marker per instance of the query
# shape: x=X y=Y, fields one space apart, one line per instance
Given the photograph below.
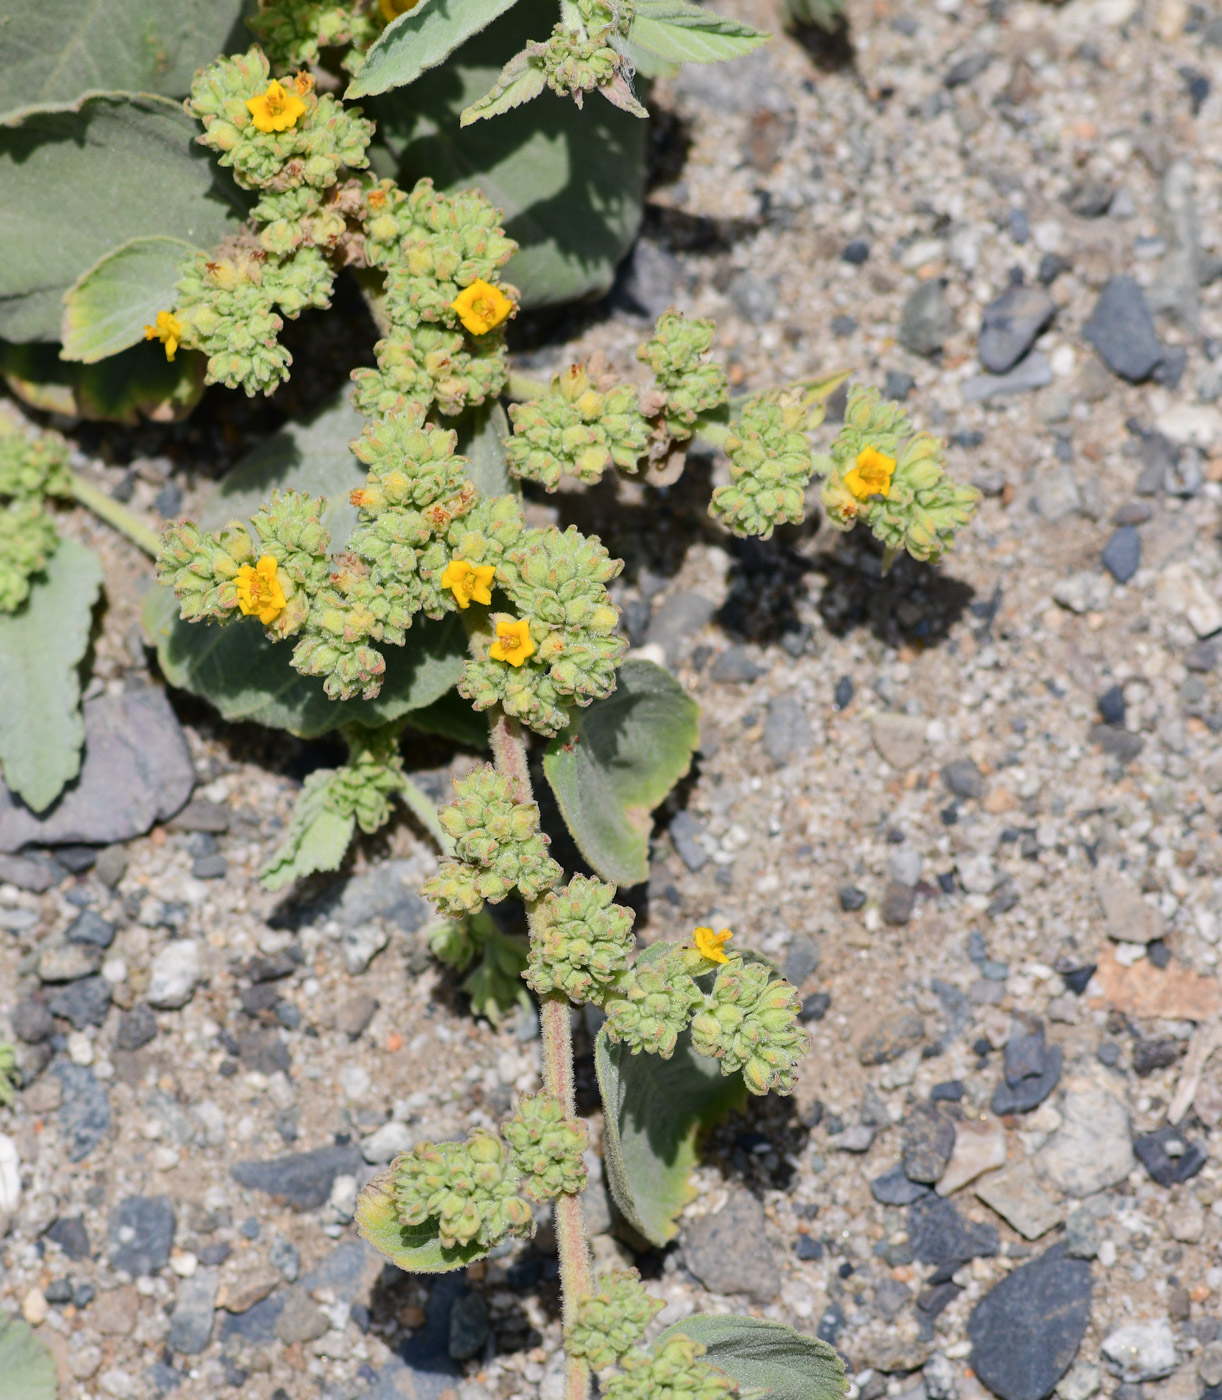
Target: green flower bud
x=580 y=940
x=292 y=32
x=610 y=1321
x=691 y=385
x=750 y=1022
x=770 y=467
x=469 y=1189
x=27 y=540
x=652 y=1002
x=546 y=1148
x=673 y=1371
x=577 y=429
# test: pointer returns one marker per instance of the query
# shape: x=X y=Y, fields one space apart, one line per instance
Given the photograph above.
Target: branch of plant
x=115 y=514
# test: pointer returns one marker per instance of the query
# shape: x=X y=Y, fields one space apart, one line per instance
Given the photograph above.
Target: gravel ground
x=972 y=811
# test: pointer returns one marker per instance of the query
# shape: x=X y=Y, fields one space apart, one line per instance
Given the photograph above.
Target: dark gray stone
x=1169 y=1156
x=1122 y=330
x=141 y=1232
x=303 y=1179
x=899 y=900
x=1034 y=371
x=1118 y=743
x=136 y=1027
x=136 y=771
x=963 y=778
x=929 y=1139
x=90 y=927
x=1111 y=705
x=1025 y=1332
x=963 y=70
x=938 y=1234
x=801 y=960
x=685 y=832
x=1028 y=1092
x=70 y=1234
x=648 y=281
x=729 y=1252
x=926 y=320
x=33 y=873
x=211 y=818
x=1090 y=199
x=194 y=1312
x=1122 y=554
x=84 y=1110
x=341 y=1271
x=1011 y=324
x=678 y=619
x=752 y=298
x=469 y=1329
x=897 y=386
x=1151 y=1055
x=263 y=1051
x=257 y=1325
x=84 y=1002
x=851 y=898
x=1201 y=657
x=894 y=1188
x=1026 y=1057
x=32 y=1021
x=787 y=732
x=735 y=664
x=890 y=1298
x=889 y=1039
x=213 y=867
x=815 y=1006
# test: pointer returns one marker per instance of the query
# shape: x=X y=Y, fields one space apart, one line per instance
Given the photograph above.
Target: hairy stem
x=522 y=386
x=509 y=752
x=113 y=513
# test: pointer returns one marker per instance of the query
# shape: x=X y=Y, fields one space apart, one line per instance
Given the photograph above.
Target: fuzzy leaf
x=677 y=31
x=616 y=761
x=136 y=383
x=420 y=40
x=26 y=1365
x=107 y=308
x=131 y=168
x=482 y=434
x=413 y=1248
x=317 y=837
x=654 y=1111
x=766 y=1356
x=55 y=50
x=41 y=646
x=511 y=91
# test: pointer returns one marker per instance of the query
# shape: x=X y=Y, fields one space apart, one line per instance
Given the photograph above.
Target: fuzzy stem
x=509 y=751
x=522 y=386
x=711 y=433
x=115 y=514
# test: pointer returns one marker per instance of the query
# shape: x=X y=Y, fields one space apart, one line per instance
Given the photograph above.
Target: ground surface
x=939 y=798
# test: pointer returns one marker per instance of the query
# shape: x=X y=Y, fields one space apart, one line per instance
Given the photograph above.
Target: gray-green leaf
x=55 y=50
x=766 y=1356
x=414 y=1248
x=317 y=836
x=654 y=1111
x=26 y=1366
x=107 y=308
x=616 y=761
x=680 y=32
x=522 y=80
x=76 y=182
x=41 y=646
x=482 y=434
x=420 y=40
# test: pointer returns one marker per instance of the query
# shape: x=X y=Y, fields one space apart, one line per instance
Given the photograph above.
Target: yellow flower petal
x=167 y=329
x=468 y=582
x=710 y=944
x=260 y=593
x=872 y=474
x=513 y=641
x=481 y=306
x=277 y=109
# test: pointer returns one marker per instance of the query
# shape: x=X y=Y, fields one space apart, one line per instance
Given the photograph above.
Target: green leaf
x=515 y=87
x=452 y=718
x=571 y=182
x=414 y=1248
x=41 y=646
x=654 y=1111
x=317 y=837
x=55 y=50
x=482 y=434
x=107 y=308
x=76 y=182
x=680 y=32
x=616 y=761
x=25 y=1364
x=420 y=40
x=766 y=1356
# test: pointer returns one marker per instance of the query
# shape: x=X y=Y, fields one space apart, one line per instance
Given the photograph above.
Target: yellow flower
x=392 y=9
x=481 y=306
x=872 y=474
x=468 y=582
x=513 y=641
x=259 y=590
x=276 y=109
x=710 y=944
x=168 y=329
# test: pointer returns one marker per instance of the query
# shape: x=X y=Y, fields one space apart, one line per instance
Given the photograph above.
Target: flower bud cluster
x=30 y=470
x=546 y=1148
x=576 y=429
x=691 y=384
x=652 y=1003
x=575 y=63
x=770 y=467
x=431 y=365
x=468 y=1188
x=580 y=941
x=612 y=1320
x=673 y=1369
x=292 y=32
x=749 y=1022
x=556 y=581
x=498 y=845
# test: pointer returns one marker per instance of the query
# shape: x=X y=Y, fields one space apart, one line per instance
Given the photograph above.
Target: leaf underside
x=417 y=1250
x=766 y=1356
x=107 y=308
x=420 y=40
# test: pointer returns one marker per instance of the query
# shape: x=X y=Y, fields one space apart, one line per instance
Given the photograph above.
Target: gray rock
x=1122 y=554
x=1011 y=324
x=284 y=1256
x=1016 y=1195
x=359 y=947
x=84 y=1003
x=787 y=732
x=1032 y=1072
x=963 y=778
x=1058 y=496
x=199 y=814
x=90 y=927
x=141 y=1232
x=1182 y=263
x=735 y=664
x=685 y=832
x=926 y=320
x=84 y=1109
x=1127 y=916
x=1091 y=1150
x=1169 y=1156
x=893 y=1188
x=800 y=961
x=889 y=1038
x=70 y=1234
x=390 y=1140
x=342 y=1271
x=354 y=1015
x=899 y=739
x=648 y=281
x=257 y=1325
x=963 y=70
x=1122 y=330
x=1033 y=372
x=66 y=962
x=904 y=866
x=857 y=1138
x=29 y=873
x=469 y=1329
x=1090 y=199
x=890 y=1298
x=898 y=902
x=111 y=866
x=136 y=1028
x=136 y=771
x=680 y=617
x=1141 y=1351
x=1025 y=1332
x=302 y=1179
x=300 y=1319
x=175 y=972
x=31 y=1021
x=1081 y=1235
x=929 y=1139
x=191 y=1324
x=729 y=1252
x=390 y=892
x=752 y=298
x=938 y=1234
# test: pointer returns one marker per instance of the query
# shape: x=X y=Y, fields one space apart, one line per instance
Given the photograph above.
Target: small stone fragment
x=1091 y=1150
x=1169 y=1156
x=787 y=731
x=354 y=1015
x=926 y=320
x=1129 y=919
x=980 y=1146
x=191 y=1323
x=894 y=1188
x=929 y=1139
x=303 y=1179
x=141 y=1231
x=1122 y=330
x=899 y=739
x=1011 y=324
x=1018 y=1198
x=175 y=972
x=729 y=1252
x=890 y=1037
x=1122 y=554
x=963 y=779
x=1141 y=1351
x=938 y=1234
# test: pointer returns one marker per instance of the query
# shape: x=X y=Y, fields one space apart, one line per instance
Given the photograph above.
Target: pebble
x=1081 y=1235
x=1081 y=1382
x=980 y=1145
x=926 y=320
x=32 y=873
x=354 y=1015
x=904 y=866
x=1122 y=554
x=787 y=731
x=84 y=1003
x=390 y=1140
x=899 y=739
x=141 y=1232
x=1031 y=373
x=10 y=1177
x=1091 y=1150
x=1180 y=590
x=897 y=386
x=254 y=1282
x=136 y=771
x=469 y=1326
x=1031 y=1073
x=90 y=927
x=938 y=1234
x=1127 y=916
x=1011 y=324
x=66 y=962
x=1209 y=1364
x=890 y=1037
x=303 y=1179
x=963 y=778
x=729 y=1252
x=194 y=1311
x=1111 y=705
x=898 y=903
x=70 y=1234
x=735 y=664
x=301 y=1319
x=895 y=1188
x=32 y=1021
x=929 y=1140
x=648 y=281
x=1169 y=1156
x=1122 y=330
x=1149 y=1056
x=1018 y=1198
x=136 y=1027
x=850 y=898
x=1090 y=199
x=685 y=832
x=84 y=1110
x=752 y=298
x=680 y=617
x=359 y=947
x=801 y=960
x=1141 y=1351
x=175 y=972
x=1025 y=1332
x=814 y=1007
x=34 y=1307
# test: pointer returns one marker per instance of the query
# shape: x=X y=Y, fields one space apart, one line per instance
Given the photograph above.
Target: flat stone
x=90 y=927
x=257 y=1325
x=84 y=1003
x=302 y=1179
x=194 y=1312
x=1025 y=1332
x=136 y=1028
x=115 y=1311
x=84 y=1110
x=980 y=1146
x=354 y=1015
x=735 y=665
x=857 y=1138
x=926 y=320
x=1091 y=1150
x=685 y=832
x=899 y=739
x=31 y=1021
x=753 y=298
x=890 y=1037
x=70 y=1234
x=787 y=732
x=1181 y=590
x=1141 y=1351
x=141 y=1232
x=390 y=1140
x=1033 y=372
x=1018 y=1198
x=1028 y=1093
x=938 y=1234
x=1081 y=1382
x=301 y=1319
x=1122 y=554
x=31 y=873
x=263 y=1051
x=898 y=902
x=175 y=972
x=1127 y=916
x=1011 y=324
x=1122 y=330
x=1169 y=1156
x=201 y=815
x=251 y=1285
x=801 y=960
x=894 y=1188
x=680 y=617
x=66 y=962
x=729 y=1252
x=137 y=770
x=469 y=1326
x=929 y=1140
x=389 y=892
